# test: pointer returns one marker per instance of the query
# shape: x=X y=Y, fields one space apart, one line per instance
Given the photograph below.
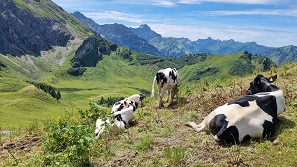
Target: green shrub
x=68 y=139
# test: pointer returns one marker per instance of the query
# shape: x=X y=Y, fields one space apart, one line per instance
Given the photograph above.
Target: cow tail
x=153 y=87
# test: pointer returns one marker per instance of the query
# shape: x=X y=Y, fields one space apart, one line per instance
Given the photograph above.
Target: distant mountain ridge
x=282 y=55
x=175 y=47
x=120 y=35
x=186 y=46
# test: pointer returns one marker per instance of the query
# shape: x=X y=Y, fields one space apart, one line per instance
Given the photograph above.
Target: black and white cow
x=136 y=98
x=167 y=79
x=250 y=116
x=120 y=118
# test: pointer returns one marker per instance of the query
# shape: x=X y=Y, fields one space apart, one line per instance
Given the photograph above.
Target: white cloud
x=285 y=12
x=267 y=37
x=113 y=15
x=164 y=3
x=258 y=2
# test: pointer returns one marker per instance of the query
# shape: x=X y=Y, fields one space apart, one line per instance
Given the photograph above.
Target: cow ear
x=272 y=78
x=257 y=80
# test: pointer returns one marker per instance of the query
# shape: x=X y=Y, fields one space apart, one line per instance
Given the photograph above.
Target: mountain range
x=144 y=39
x=51 y=42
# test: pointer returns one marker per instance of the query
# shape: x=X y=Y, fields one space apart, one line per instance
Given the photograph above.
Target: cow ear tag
x=273 y=78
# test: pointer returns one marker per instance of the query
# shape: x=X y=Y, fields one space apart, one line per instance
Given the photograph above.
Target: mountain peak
x=145 y=27
x=78 y=15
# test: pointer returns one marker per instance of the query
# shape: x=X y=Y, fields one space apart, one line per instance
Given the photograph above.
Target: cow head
x=141 y=97
x=100 y=126
x=262 y=84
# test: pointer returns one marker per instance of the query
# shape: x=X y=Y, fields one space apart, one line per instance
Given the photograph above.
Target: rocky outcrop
x=88 y=53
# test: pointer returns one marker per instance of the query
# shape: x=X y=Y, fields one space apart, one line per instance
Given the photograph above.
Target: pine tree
x=58 y=95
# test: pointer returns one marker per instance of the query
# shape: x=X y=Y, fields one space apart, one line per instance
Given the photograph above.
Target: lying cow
x=120 y=118
x=167 y=80
x=137 y=98
x=250 y=116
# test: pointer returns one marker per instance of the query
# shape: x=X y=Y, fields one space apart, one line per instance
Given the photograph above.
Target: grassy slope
x=19 y=109
x=159 y=138
x=222 y=62
x=157 y=131
x=107 y=79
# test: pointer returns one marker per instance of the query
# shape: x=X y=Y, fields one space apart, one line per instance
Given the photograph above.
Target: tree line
x=47 y=89
x=109 y=101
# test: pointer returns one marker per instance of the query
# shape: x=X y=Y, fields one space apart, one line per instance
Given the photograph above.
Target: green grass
x=22 y=104
x=20 y=109
x=159 y=137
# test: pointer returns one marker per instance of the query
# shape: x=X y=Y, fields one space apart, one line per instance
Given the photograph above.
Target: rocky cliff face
x=22 y=32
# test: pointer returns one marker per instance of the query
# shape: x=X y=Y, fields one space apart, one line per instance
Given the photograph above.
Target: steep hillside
x=282 y=55
x=120 y=35
x=29 y=27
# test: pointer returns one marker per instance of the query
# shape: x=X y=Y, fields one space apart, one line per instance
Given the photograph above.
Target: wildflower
x=72 y=118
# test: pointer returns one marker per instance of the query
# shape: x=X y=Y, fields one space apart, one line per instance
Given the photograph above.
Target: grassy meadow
x=22 y=103
x=158 y=137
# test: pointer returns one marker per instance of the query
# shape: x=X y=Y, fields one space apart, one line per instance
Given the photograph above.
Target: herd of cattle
x=251 y=116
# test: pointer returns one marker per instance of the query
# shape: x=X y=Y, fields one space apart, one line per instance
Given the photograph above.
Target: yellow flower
x=64 y=135
x=72 y=118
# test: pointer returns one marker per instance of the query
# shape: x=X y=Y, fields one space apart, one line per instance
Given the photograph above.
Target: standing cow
x=167 y=80
x=250 y=116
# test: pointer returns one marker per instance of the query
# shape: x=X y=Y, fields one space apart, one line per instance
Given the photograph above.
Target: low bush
x=68 y=139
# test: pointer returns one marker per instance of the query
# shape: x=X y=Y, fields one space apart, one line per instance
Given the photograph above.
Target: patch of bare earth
x=12 y=149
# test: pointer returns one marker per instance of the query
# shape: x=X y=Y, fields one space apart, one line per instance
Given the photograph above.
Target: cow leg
x=197 y=128
x=168 y=97
x=203 y=124
x=173 y=93
x=161 y=94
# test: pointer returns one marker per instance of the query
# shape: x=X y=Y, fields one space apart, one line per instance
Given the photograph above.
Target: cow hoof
x=190 y=124
x=161 y=106
x=276 y=142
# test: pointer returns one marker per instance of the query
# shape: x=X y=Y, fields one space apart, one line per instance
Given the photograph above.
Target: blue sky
x=267 y=22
